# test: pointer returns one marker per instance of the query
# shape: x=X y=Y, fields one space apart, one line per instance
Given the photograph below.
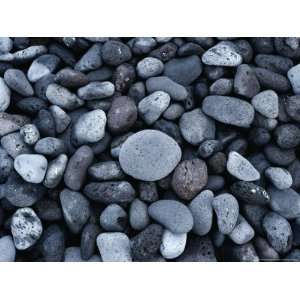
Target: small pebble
x=293 y=75
x=4 y=95
x=266 y=103
x=30 y=134
x=279 y=177
x=7 y=249
x=149 y=67
x=18 y=82
x=242 y=232
x=113 y=218
x=96 y=90
x=138 y=215
x=172 y=244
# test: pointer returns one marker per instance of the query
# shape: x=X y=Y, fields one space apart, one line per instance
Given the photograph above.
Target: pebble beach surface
x=149 y=149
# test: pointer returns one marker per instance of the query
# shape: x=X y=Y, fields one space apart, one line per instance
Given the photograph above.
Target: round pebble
x=172 y=244
x=279 y=177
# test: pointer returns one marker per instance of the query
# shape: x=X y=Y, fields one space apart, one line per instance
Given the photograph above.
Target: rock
x=245 y=82
x=123 y=77
x=209 y=147
x=292 y=107
x=285 y=202
x=30 y=134
x=6 y=44
x=151 y=107
x=31 y=167
x=18 y=82
x=88 y=240
x=202 y=211
x=183 y=70
x=217 y=163
x=172 y=244
x=50 y=146
x=26 y=228
x=7 y=249
x=294 y=77
x=31 y=105
x=115 y=53
x=55 y=171
x=113 y=218
x=162 y=83
x=225 y=54
x=278 y=232
x=138 y=215
x=241 y=168
x=10 y=123
x=6 y=165
x=142 y=45
x=174 y=215
x=169 y=128
x=198 y=249
x=29 y=53
x=149 y=67
x=189 y=178
x=107 y=170
x=244 y=253
x=250 y=193
x=110 y=192
x=287 y=136
x=149 y=155
x=70 y=78
x=226 y=208
x=229 y=110
x=242 y=232
x=114 y=247
x=52 y=244
x=122 y=114
x=89 y=128
x=61 y=119
x=48 y=210
x=275 y=63
x=173 y=112
x=266 y=103
x=279 y=177
x=264 y=250
x=45 y=123
x=4 y=95
x=90 y=60
x=76 y=209
x=196 y=127
x=221 y=87
x=42 y=66
x=73 y=254
x=96 y=90
x=148 y=191
x=165 y=52
x=77 y=167
x=294 y=170
x=145 y=244
x=279 y=157
x=215 y=183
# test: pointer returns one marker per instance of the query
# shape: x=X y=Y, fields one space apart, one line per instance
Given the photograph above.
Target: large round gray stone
x=149 y=155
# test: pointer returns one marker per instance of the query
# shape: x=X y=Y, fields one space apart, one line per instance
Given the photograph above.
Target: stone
x=70 y=78
x=266 y=103
x=149 y=155
x=107 y=170
x=7 y=249
x=4 y=95
x=30 y=134
x=113 y=218
x=174 y=215
x=172 y=244
x=279 y=157
x=173 y=112
x=61 y=119
x=287 y=136
x=293 y=75
x=279 y=177
x=115 y=53
x=242 y=232
x=96 y=90
x=88 y=240
x=90 y=60
x=50 y=146
x=149 y=67
x=138 y=215
x=18 y=82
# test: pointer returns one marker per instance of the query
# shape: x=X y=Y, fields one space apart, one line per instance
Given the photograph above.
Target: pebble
x=293 y=75
x=196 y=127
x=245 y=82
x=183 y=70
x=285 y=202
x=62 y=97
x=7 y=247
x=279 y=177
x=292 y=107
x=48 y=210
x=278 y=156
x=149 y=155
x=146 y=244
x=242 y=232
x=114 y=247
x=91 y=60
x=96 y=90
x=26 y=228
x=165 y=52
x=244 y=253
x=276 y=63
x=110 y=192
x=70 y=78
x=18 y=82
x=113 y=218
x=264 y=250
x=10 y=123
x=31 y=167
x=115 y=53
x=45 y=123
x=163 y=83
x=148 y=191
x=138 y=215
x=226 y=208
x=149 y=67
x=173 y=112
x=4 y=95
x=77 y=167
x=151 y=107
x=189 y=178
x=55 y=171
x=221 y=87
x=6 y=165
x=88 y=240
x=229 y=110
x=250 y=193
x=169 y=128
x=73 y=254
x=42 y=66
x=30 y=134
x=241 y=168
x=50 y=146
x=61 y=119
x=266 y=103
x=278 y=232
x=75 y=208
x=172 y=214
x=287 y=136
x=107 y=170
x=224 y=54
x=202 y=211
x=89 y=128
x=6 y=44
x=29 y=53
x=209 y=147
x=122 y=114
x=172 y=244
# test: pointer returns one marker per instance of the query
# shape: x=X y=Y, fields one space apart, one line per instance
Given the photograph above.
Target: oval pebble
x=172 y=245
x=7 y=249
